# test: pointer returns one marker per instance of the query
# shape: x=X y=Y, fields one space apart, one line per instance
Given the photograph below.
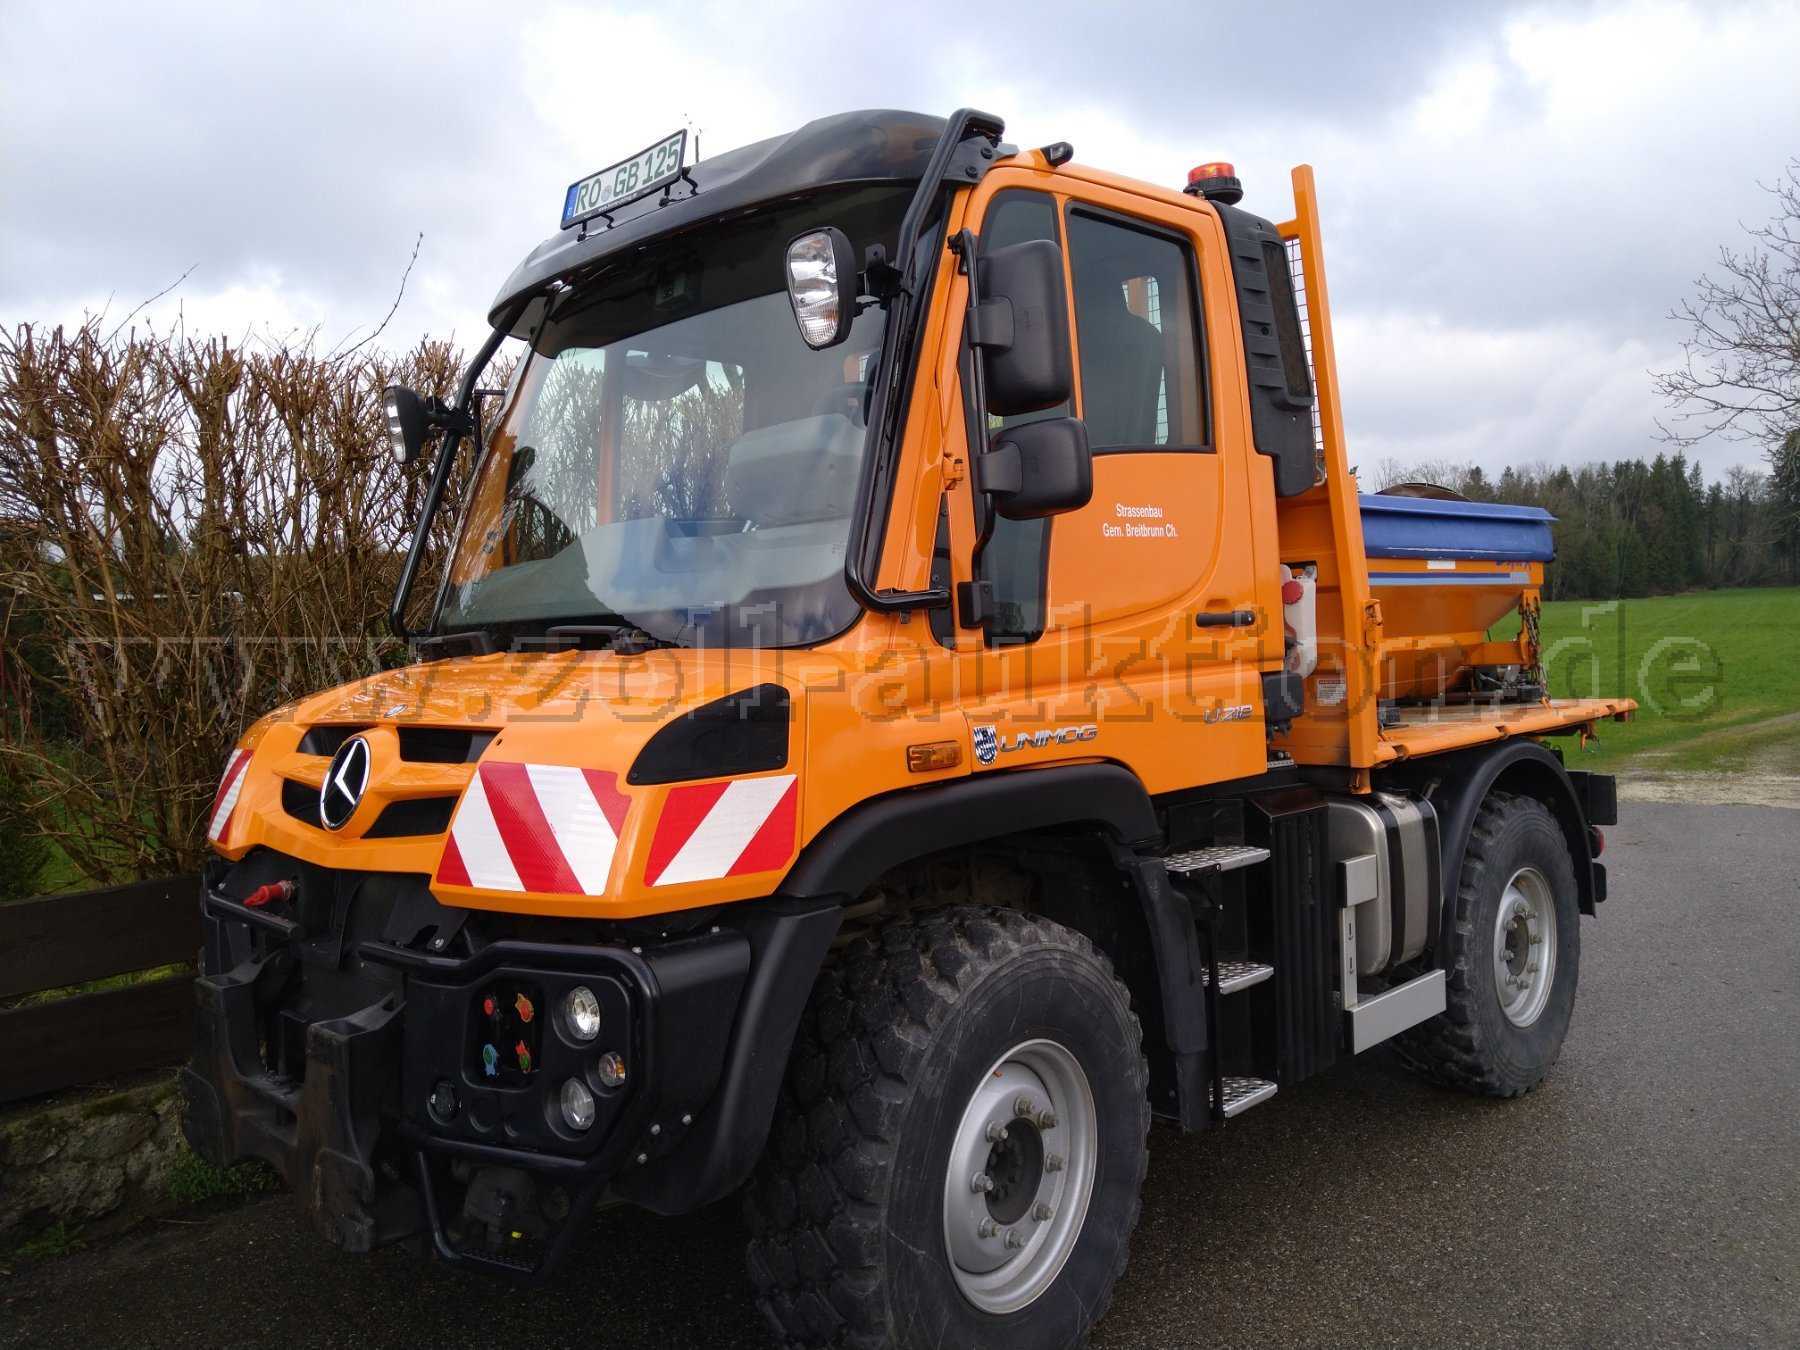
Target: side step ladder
x=1232 y=1094
x=1243 y=1093
x=1214 y=859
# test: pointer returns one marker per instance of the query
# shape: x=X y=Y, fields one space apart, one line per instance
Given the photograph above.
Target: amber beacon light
x=1217 y=182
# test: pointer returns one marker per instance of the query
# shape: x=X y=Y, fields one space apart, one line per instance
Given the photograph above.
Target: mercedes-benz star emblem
x=345 y=782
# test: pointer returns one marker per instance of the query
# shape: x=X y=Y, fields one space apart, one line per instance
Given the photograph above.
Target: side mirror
x=1039 y=469
x=822 y=285
x=1021 y=323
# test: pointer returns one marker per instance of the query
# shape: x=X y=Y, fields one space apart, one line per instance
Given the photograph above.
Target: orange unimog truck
x=916 y=697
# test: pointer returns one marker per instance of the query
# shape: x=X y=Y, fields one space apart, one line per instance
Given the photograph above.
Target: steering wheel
x=850 y=398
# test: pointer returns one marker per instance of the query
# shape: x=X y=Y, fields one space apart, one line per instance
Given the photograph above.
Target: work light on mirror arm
x=413 y=418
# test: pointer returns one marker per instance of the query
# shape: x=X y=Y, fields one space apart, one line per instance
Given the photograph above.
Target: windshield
x=673 y=456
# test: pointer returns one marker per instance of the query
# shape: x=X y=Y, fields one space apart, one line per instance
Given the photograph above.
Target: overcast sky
x=1514 y=195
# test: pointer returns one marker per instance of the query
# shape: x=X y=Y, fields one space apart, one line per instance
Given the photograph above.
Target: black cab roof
x=872 y=146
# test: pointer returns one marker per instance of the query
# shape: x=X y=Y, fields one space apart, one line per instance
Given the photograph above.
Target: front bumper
x=324 y=1029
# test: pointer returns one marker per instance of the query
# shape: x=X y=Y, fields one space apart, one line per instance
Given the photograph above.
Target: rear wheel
x=1514 y=957
x=960 y=1146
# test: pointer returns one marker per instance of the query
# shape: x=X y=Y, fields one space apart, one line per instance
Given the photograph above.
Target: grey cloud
x=313 y=143
x=235 y=138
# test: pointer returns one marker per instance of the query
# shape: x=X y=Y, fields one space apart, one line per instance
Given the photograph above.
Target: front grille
x=404 y=819
x=300 y=800
x=326 y=740
x=420 y=745
x=417 y=816
x=442 y=745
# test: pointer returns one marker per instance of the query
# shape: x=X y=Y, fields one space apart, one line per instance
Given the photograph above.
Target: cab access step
x=1231 y=1037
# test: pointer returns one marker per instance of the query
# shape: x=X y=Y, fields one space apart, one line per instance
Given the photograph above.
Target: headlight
x=577 y=1105
x=822 y=286
x=581 y=1014
x=611 y=1069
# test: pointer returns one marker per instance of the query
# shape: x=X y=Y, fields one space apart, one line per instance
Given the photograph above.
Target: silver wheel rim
x=1020 y=1175
x=1525 y=947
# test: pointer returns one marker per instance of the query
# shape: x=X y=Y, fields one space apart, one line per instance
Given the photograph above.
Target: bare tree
x=1742 y=372
x=1741 y=376
x=190 y=534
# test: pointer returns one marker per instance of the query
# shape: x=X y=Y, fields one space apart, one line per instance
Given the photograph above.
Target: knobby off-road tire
x=849 y=1246
x=1515 y=845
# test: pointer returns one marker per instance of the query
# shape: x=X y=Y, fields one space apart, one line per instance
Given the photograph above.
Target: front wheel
x=961 y=1142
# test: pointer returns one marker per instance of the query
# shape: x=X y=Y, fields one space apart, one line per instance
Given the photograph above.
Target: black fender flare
x=790 y=935
x=1457 y=783
x=788 y=943
x=872 y=838
x=868 y=840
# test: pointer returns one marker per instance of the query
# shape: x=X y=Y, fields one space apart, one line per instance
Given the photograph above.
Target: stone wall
x=100 y=1159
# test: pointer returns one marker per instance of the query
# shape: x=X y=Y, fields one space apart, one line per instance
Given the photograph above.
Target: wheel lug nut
x=986 y=1228
x=1047 y=1121
x=982 y=1182
x=1024 y=1106
x=1042 y=1212
x=996 y=1132
x=1013 y=1239
x=1053 y=1162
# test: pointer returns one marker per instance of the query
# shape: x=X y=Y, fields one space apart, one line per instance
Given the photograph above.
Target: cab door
x=1127 y=629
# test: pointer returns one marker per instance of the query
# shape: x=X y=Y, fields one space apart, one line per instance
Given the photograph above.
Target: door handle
x=1225 y=618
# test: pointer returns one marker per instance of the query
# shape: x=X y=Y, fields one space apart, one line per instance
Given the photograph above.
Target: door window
x=1138 y=333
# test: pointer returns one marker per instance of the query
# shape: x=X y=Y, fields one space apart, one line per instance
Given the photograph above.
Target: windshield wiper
x=624 y=638
x=469 y=642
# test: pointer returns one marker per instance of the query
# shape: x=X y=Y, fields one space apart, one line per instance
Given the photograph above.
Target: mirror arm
x=440 y=416
x=440 y=475
x=991 y=324
x=975 y=597
x=881 y=280
x=1000 y=470
x=969 y=143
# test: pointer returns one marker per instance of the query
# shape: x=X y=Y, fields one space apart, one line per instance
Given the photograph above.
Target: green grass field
x=1712 y=673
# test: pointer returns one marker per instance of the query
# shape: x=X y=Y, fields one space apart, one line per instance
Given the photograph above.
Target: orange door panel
x=1148 y=538
x=1120 y=669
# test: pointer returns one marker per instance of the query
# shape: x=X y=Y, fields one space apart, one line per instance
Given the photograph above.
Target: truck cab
x=915 y=695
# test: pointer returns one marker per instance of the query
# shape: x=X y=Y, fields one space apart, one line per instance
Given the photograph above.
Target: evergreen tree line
x=1632 y=528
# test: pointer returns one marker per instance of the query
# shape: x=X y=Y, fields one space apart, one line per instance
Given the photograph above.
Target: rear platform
x=1410 y=595
x=1434 y=729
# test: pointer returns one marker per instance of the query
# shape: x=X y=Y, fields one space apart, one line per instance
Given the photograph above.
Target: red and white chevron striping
x=225 y=799
x=548 y=828
x=726 y=829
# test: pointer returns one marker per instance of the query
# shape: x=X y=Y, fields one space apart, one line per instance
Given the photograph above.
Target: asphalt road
x=1647 y=1194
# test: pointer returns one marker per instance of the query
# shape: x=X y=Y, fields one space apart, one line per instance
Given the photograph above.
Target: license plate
x=625 y=181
